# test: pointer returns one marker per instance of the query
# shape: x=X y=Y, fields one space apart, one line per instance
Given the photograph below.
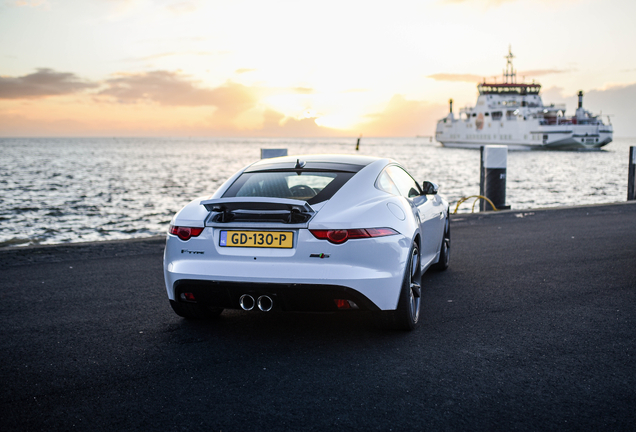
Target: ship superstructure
x=513 y=114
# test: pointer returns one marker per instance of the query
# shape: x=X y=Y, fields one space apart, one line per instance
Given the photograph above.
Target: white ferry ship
x=513 y=114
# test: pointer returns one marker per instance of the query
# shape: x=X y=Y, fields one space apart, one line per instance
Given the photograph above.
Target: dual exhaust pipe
x=264 y=303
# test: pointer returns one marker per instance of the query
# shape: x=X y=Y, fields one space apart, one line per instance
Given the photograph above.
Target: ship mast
x=509 y=75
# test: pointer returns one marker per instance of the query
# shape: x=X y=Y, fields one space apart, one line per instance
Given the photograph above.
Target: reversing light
x=341 y=236
x=185 y=233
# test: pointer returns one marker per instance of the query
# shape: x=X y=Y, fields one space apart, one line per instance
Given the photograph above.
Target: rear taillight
x=185 y=233
x=341 y=236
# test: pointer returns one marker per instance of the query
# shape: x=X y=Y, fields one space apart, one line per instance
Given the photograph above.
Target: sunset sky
x=298 y=68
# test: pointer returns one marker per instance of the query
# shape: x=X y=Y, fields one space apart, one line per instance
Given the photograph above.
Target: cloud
x=541 y=72
x=615 y=100
x=456 y=77
x=303 y=90
x=154 y=103
x=276 y=124
x=44 y=82
x=175 y=89
x=403 y=117
x=243 y=70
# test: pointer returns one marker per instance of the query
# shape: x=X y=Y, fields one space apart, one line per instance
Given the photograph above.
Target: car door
x=426 y=208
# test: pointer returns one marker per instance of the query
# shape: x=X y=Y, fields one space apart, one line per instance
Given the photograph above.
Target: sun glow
x=288 y=67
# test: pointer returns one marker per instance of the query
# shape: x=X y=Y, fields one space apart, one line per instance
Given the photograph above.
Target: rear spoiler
x=258 y=209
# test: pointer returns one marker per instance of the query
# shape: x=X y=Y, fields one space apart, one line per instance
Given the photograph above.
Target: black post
x=631 y=180
x=492 y=182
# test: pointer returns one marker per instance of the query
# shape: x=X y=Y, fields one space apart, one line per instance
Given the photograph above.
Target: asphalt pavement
x=533 y=327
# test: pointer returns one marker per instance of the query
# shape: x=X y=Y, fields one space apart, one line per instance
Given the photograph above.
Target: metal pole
x=492 y=182
x=631 y=179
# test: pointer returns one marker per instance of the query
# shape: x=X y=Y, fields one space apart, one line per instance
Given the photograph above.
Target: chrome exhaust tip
x=247 y=302
x=265 y=303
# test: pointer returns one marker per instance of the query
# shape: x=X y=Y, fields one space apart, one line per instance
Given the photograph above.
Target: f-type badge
x=320 y=255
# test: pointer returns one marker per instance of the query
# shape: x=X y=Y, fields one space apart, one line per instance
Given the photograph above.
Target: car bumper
x=283 y=297
x=369 y=272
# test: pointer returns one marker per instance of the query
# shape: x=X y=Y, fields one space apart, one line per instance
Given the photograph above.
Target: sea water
x=57 y=190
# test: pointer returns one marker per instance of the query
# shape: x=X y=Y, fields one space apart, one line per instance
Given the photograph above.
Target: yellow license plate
x=258 y=239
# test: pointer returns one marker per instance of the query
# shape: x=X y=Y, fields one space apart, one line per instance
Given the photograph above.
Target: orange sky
x=172 y=103
x=288 y=68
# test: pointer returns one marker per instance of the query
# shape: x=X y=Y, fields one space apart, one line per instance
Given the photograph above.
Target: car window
x=403 y=182
x=386 y=184
x=312 y=187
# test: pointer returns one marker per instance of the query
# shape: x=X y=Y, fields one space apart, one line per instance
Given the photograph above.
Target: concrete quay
x=533 y=327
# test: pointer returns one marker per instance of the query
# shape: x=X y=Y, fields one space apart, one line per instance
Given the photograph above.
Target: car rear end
x=269 y=240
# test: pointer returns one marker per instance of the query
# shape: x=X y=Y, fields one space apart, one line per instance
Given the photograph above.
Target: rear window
x=310 y=186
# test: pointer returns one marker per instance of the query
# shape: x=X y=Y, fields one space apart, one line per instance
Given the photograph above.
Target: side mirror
x=429 y=188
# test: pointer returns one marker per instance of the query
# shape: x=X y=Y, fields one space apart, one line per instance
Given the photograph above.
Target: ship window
x=474 y=114
x=487 y=114
x=496 y=115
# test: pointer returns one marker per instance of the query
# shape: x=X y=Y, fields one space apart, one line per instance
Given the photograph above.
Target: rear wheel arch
x=445 y=248
x=406 y=315
x=418 y=241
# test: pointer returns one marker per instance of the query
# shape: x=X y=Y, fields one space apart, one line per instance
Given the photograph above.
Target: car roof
x=336 y=162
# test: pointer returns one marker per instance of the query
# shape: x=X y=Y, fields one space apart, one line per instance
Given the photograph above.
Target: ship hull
x=476 y=145
x=524 y=136
x=562 y=144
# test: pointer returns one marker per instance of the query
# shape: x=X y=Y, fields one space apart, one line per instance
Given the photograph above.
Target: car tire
x=195 y=311
x=407 y=314
x=445 y=249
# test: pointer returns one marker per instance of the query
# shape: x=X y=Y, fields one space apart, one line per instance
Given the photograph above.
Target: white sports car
x=309 y=233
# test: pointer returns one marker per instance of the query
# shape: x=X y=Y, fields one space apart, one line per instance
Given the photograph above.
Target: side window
x=405 y=184
x=385 y=183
